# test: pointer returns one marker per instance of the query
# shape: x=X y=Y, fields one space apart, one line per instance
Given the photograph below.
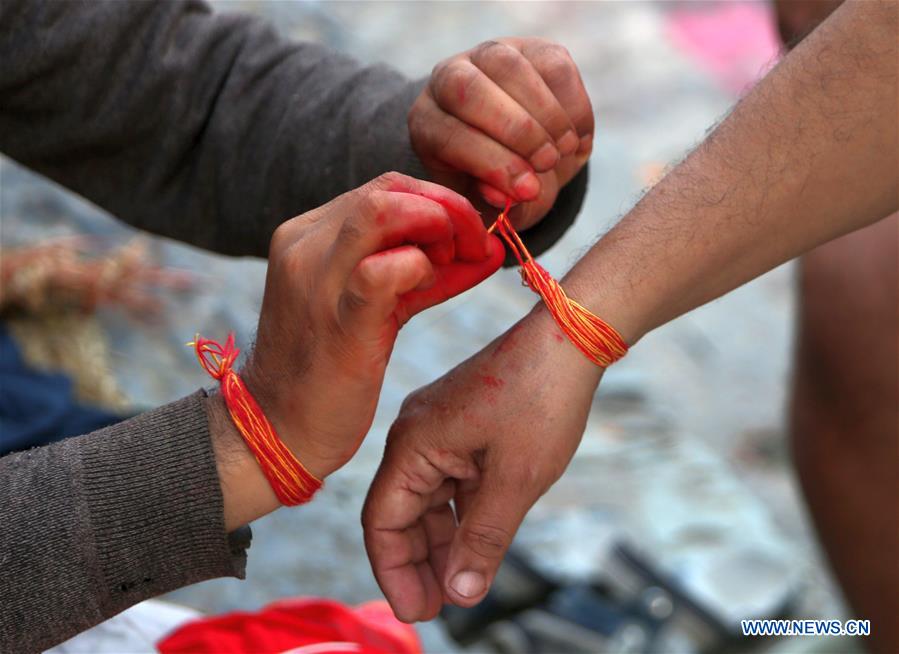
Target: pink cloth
x=735 y=42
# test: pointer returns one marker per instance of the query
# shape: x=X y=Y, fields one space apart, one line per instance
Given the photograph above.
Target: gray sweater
x=208 y=128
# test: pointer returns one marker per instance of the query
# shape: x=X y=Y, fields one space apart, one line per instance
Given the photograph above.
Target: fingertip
x=526 y=186
x=467 y=587
x=545 y=158
x=568 y=144
x=492 y=196
x=496 y=252
x=404 y=616
x=428 y=281
x=585 y=145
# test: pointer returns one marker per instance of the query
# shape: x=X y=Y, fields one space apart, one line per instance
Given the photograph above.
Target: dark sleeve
x=209 y=128
x=92 y=525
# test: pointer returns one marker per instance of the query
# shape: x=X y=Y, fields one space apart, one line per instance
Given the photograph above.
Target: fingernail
x=468 y=584
x=526 y=186
x=493 y=197
x=545 y=157
x=586 y=144
x=568 y=143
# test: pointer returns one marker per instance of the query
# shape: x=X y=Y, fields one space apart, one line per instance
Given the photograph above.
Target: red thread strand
x=292 y=483
x=597 y=339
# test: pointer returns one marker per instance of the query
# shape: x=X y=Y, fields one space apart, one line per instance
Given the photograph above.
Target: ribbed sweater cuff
x=155 y=506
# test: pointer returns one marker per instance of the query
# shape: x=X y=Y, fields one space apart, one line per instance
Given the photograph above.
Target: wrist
x=609 y=283
x=246 y=493
x=289 y=426
x=560 y=361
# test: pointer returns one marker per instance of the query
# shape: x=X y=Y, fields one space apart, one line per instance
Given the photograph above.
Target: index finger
x=469 y=233
x=516 y=75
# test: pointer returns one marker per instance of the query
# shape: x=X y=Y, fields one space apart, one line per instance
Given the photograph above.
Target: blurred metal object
x=517 y=586
x=631 y=606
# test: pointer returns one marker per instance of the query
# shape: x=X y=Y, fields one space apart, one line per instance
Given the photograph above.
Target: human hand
x=491 y=436
x=342 y=279
x=510 y=118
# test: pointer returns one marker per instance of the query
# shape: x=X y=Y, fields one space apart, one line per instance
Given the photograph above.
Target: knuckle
x=487 y=541
x=452 y=80
x=552 y=49
x=385 y=181
x=489 y=50
x=396 y=434
x=371 y=203
x=438 y=70
x=525 y=130
x=415 y=479
x=485 y=47
x=501 y=59
x=349 y=232
x=556 y=64
x=366 y=278
x=280 y=241
x=410 y=406
x=354 y=301
x=414 y=118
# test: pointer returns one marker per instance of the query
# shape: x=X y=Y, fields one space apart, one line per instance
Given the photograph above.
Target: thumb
x=452 y=279
x=375 y=286
x=488 y=522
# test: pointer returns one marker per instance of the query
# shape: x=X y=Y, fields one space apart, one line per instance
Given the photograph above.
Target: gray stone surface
x=685 y=451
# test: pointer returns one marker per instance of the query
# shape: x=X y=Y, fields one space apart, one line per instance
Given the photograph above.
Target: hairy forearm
x=810 y=154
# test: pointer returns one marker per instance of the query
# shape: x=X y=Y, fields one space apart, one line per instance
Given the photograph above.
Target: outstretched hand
x=466 y=459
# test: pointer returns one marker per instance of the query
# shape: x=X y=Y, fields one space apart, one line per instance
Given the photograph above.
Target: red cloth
x=298 y=626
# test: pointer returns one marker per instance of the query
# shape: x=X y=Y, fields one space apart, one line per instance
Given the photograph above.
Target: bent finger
x=382 y=220
x=406 y=488
x=451 y=280
x=465 y=91
x=558 y=70
x=516 y=75
x=446 y=141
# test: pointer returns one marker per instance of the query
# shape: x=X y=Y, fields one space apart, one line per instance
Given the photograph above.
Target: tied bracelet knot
x=595 y=338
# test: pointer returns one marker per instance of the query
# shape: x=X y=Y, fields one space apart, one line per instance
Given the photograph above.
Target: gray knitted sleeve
x=92 y=525
x=206 y=127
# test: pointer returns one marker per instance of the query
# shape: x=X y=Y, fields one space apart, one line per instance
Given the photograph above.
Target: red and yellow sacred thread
x=292 y=482
x=597 y=339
